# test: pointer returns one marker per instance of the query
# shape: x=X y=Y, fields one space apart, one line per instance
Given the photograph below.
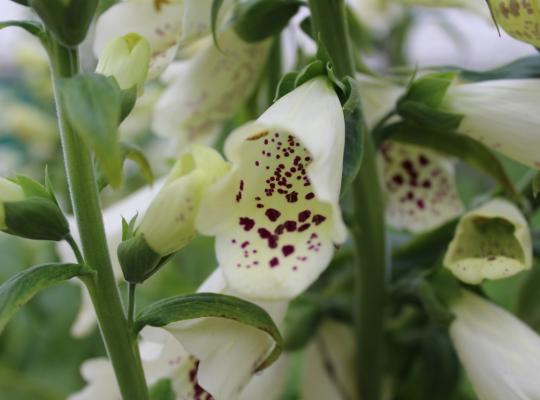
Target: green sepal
x=93 y=105
x=36 y=218
x=256 y=20
x=129 y=98
x=355 y=131
x=286 y=85
x=68 y=20
x=214 y=13
x=426 y=116
x=429 y=90
x=20 y=288
x=162 y=390
x=137 y=259
x=200 y=305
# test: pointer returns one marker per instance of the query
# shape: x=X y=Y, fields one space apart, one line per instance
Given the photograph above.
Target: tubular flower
x=518 y=18
x=207 y=89
x=491 y=242
x=166 y=25
x=501 y=354
x=194 y=357
x=420 y=187
x=276 y=214
x=501 y=114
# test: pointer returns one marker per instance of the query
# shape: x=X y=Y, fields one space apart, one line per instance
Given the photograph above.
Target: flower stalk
x=330 y=27
x=86 y=205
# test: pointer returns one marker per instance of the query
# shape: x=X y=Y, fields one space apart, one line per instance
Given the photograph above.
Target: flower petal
x=219 y=343
x=491 y=242
x=270 y=384
x=501 y=114
x=161 y=26
x=420 y=187
x=501 y=354
x=276 y=214
x=209 y=88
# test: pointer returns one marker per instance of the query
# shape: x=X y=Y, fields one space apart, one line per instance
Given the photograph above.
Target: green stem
x=75 y=247
x=330 y=27
x=86 y=205
x=131 y=303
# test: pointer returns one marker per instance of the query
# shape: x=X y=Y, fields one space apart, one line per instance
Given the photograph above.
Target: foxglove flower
x=207 y=89
x=420 y=188
x=490 y=242
x=276 y=214
x=501 y=354
x=519 y=19
x=196 y=356
x=501 y=114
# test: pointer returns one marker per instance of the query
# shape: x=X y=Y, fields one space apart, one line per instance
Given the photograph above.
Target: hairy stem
x=86 y=205
x=330 y=28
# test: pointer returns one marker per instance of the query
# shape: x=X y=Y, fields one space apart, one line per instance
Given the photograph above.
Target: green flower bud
x=491 y=242
x=68 y=20
x=29 y=209
x=519 y=19
x=126 y=58
x=168 y=224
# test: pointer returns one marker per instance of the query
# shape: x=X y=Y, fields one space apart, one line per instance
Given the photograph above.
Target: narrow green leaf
x=32 y=27
x=286 y=85
x=20 y=288
x=93 y=104
x=135 y=154
x=427 y=116
x=200 y=305
x=216 y=6
x=430 y=89
x=310 y=71
x=467 y=149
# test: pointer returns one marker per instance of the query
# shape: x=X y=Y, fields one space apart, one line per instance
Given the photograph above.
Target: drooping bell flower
x=501 y=114
x=276 y=214
x=208 y=88
x=490 y=242
x=501 y=354
x=519 y=19
x=419 y=186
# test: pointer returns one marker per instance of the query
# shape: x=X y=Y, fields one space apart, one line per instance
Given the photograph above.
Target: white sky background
x=429 y=44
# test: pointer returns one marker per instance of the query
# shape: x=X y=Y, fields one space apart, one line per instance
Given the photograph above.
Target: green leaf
x=216 y=6
x=129 y=98
x=426 y=116
x=200 y=305
x=461 y=146
x=92 y=104
x=429 y=90
x=523 y=68
x=32 y=27
x=286 y=85
x=162 y=390
x=135 y=154
x=355 y=129
x=256 y=20
x=310 y=71
x=20 y=288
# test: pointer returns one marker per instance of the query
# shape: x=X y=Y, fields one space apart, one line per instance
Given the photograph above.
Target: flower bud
x=168 y=224
x=126 y=58
x=491 y=242
x=29 y=209
x=518 y=18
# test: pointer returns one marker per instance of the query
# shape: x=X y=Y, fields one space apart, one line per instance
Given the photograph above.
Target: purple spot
x=318 y=219
x=274 y=262
x=290 y=225
x=272 y=214
x=397 y=179
x=423 y=159
x=302 y=228
x=245 y=244
x=247 y=223
x=304 y=215
x=287 y=250
x=310 y=195
x=292 y=197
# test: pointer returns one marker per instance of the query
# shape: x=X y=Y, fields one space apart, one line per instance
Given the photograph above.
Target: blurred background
x=39 y=356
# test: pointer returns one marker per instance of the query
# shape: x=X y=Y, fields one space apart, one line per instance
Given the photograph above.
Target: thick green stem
x=86 y=205
x=330 y=28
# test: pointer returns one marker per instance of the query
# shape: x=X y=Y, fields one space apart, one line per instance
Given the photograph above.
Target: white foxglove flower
x=501 y=114
x=276 y=214
x=195 y=355
x=205 y=90
x=501 y=354
x=126 y=58
x=419 y=186
x=168 y=224
x=490 y=242
x=221 y=343
x=9 y=191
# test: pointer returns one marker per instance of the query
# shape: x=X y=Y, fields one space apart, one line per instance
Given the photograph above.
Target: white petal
x=491 y=242
x=281 y=198
x=270 y=383
x=334 y=347
x=99 y=374
x=502 y=114
x=419 y=186
x=209 y=88
x=161 y=27
x=501 y=355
